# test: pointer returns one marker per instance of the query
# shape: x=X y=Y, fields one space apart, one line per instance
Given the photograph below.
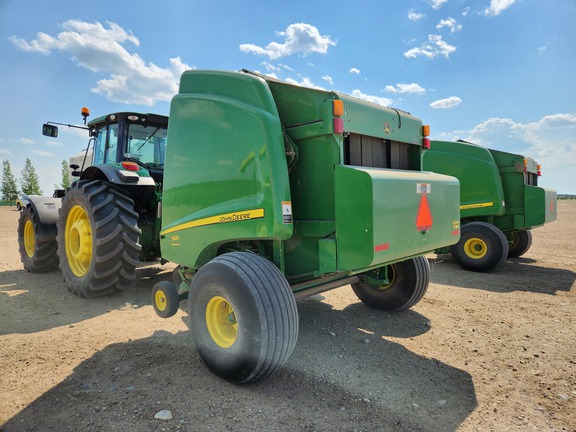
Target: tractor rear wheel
x=37 y=252
x=243 y=317
x=407 y=283
x=482 y=247
x=97 y=239
x=519 y=244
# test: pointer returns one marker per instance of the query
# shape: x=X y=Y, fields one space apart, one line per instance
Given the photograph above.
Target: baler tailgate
x=373 y=207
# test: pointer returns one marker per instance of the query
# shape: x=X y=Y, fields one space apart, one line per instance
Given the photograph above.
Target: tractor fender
x=116 y=176
x=46 y=209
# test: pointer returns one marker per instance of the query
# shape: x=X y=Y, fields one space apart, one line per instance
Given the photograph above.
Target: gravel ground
x=481 y=352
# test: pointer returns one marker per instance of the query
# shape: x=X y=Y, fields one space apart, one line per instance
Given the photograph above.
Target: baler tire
x=37 y=256
x=243 y=317
x=165 y=299
x=410 y=280
x=520 y=243
x=482 y=247
x=97 y=239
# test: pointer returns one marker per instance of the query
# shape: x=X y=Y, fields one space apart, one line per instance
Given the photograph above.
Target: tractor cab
x=133 y=140
x=130 y=137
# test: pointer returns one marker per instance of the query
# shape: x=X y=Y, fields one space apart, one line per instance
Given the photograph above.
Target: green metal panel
x=226 y=177
x=540 y=205
x=481 y=192
x=377 y=214
x=362 y=117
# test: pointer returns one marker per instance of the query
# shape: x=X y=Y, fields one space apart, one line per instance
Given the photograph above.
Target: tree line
x=29 y=181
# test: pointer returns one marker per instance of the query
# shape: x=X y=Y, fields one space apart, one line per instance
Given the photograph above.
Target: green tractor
x=500 y=201
x=108 y=220
x=270 y=192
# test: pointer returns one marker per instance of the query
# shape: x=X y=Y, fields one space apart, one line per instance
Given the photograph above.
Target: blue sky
x=496 y=72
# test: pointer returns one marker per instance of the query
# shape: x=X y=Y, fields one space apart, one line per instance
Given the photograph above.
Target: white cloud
x=541 y=50
x=466 y=11
x=431 y=49
x=5 y=152
x=270 y=67
x=449 y=23
x=436 y=3
x=374 y=99
x=450 y=102
x=415 y=16
x=551 y=140
x=304 y=83
x=498 y=6
x=54 y=143
x=43 y=153
x=300 y=38
x=100 y=49
x=405 y=88
x=328 y=78
x=354 y=71
x=26 y=141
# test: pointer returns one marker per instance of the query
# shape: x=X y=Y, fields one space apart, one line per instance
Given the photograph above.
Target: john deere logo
x=387 y=128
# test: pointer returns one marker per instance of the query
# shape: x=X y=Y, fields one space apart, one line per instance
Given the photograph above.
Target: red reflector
x=456 y=232
x=382 y=247
x=426 y=143
x=539 y=173
x=338 y=126
x=130 y=166
x=424 y=219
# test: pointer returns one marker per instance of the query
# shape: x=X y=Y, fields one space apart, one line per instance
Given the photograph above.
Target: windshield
x=147 y=144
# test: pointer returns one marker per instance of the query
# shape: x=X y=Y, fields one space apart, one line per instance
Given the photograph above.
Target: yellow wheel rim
x=221 y=322
x=475 y=248
x=29 y=241
x=160 y=300
x=78 y=239
x=391 y=278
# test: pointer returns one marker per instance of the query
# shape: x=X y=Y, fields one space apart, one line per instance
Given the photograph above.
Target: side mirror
x=49 y=130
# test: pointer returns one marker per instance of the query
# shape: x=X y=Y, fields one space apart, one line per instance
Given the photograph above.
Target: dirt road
x=480 y=352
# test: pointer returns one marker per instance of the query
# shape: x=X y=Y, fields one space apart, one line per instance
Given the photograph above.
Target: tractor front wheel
x=519 y=243
x=482 y=247
x=404 y=285
x=37 y=245
x=243 y=317
x=97 y=239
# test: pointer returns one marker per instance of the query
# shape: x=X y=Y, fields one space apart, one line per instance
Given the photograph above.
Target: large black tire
x=481 y=247
x=243 y=317
x=520 y=242
x=97 y=239
x=408 y=282
x=37 y=252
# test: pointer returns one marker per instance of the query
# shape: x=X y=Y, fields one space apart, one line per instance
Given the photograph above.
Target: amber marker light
x=337 y=108
x=426 y=134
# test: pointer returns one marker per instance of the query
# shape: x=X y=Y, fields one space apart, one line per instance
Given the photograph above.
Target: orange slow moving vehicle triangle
x=424 y=219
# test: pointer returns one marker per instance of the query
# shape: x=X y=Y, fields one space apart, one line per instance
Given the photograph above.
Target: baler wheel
x=97 y=239
x=482 y=247
x=519 y=244
x=408 y=282
x=37 y=255
x=243 y=317
x=165 y=299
